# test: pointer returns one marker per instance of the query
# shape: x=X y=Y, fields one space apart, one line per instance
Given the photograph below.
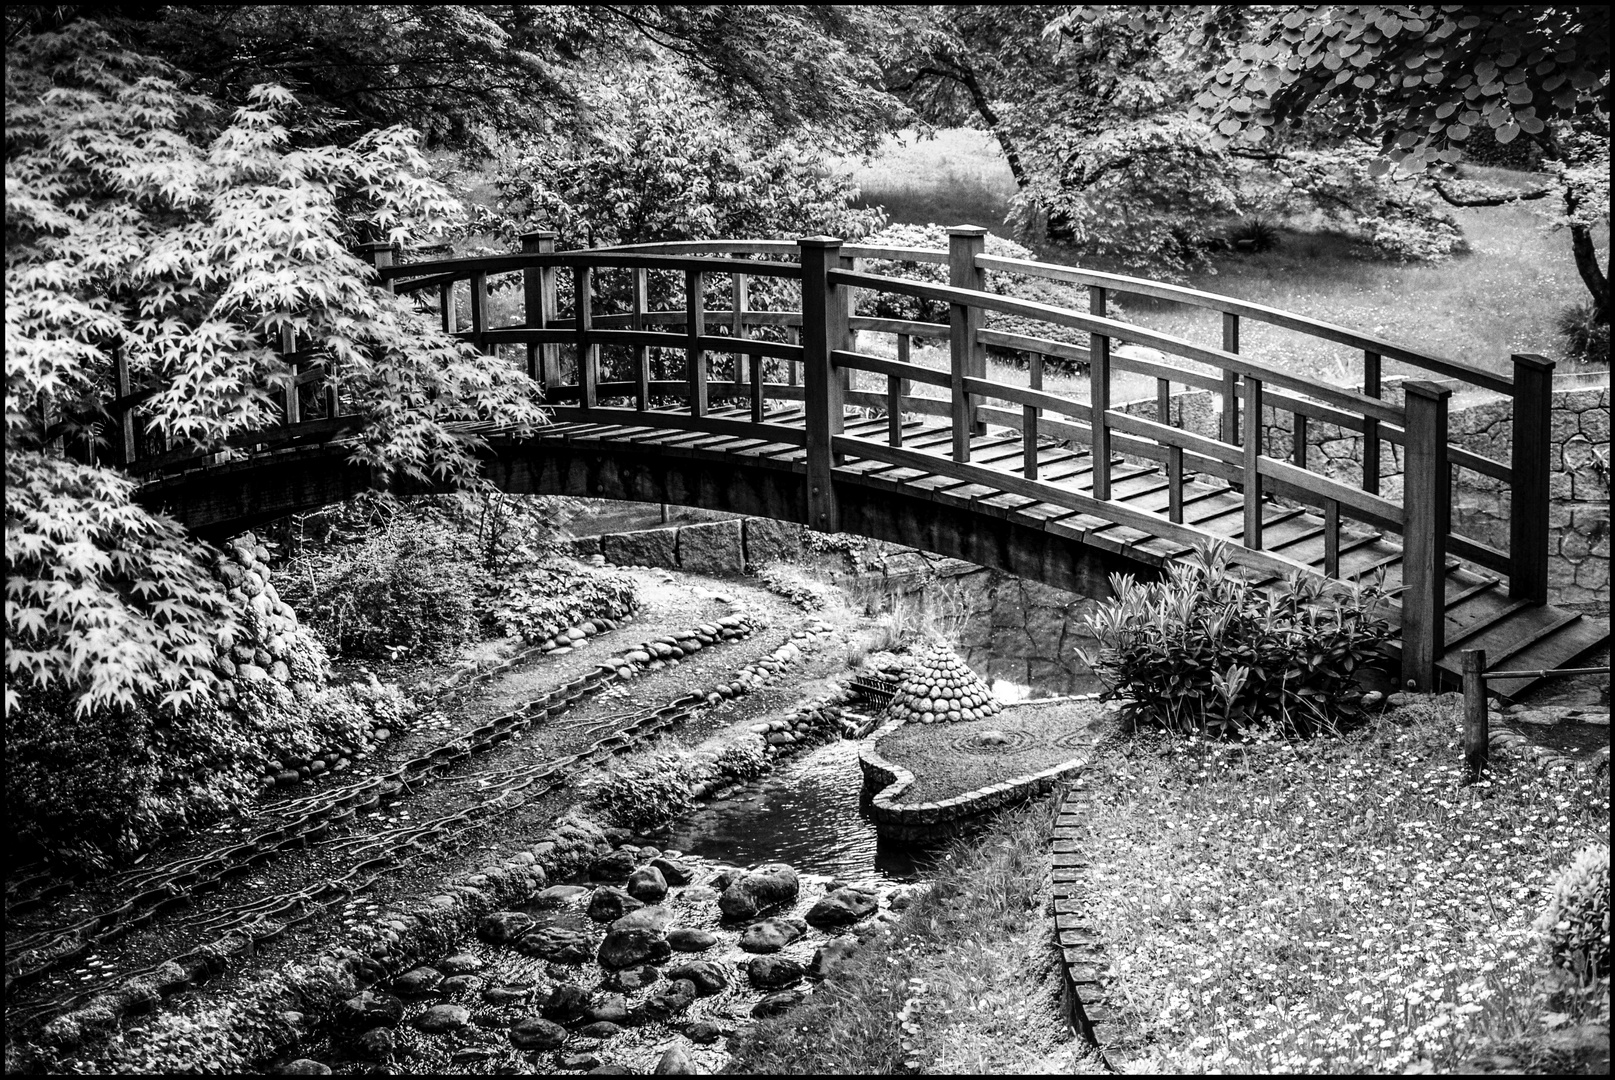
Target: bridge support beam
x=1427 y=507
x=825 y=328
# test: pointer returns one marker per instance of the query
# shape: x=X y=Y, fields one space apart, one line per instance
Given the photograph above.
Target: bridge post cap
x=967 y=230
x=373 y=245
x=1533 y=360
x=1426 y=389
x=819 y=241
x=540 y=234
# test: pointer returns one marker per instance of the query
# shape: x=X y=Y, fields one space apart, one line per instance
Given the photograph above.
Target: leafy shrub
x=1586 y=337
x=538 y=603
x=1203 y=649
x=1254 y=234
x=412 y=584
x=743 y=761
x=1576 y=921
x=646 y=792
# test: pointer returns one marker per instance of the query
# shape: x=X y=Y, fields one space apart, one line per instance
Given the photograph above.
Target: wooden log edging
x=887 y=780
x=1085 y=970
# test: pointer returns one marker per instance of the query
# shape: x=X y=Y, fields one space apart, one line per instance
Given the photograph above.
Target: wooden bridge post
x=1230 y=382
x=123 y=387
x=1477 y=736
x=1528 y=505
x=538 y=297
x=1099 y=394
x=1427 y=509
x=969 y=355
x=583 y=323
x=824 y=329
x=695 y=357
x=1371 y=387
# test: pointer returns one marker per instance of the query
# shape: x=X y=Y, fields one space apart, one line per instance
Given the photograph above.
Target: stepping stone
x=771 y=935
x=689 y=940
x=371 y=1008
x=708 y=978
x=773 y=972
x=441 y=1018
x=536 y=1033
x=418 y=981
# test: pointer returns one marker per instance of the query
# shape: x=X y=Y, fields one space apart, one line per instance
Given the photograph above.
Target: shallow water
x=808 y=814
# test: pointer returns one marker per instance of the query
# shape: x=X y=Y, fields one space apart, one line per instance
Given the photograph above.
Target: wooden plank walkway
x=1479 y=612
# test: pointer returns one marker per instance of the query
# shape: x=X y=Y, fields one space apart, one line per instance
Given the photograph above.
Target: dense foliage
x=139 y=219
x=1203 y=649
x=1576 y=920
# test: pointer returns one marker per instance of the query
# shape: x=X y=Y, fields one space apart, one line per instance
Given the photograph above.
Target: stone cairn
x=938 y=687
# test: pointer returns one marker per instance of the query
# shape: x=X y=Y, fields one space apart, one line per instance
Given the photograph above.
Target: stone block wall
x=1579 y=451
x=710 y=547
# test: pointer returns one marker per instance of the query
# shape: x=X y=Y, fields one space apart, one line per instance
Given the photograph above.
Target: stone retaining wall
x=885 y=781
x=1579 y=448
x=710 y=547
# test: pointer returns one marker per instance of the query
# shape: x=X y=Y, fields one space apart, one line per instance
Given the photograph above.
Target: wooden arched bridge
x=767 y=409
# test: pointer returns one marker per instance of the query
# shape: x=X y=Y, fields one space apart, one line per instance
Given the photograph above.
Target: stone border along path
x=301 y=820
x=1084 y=968
x=945 y=817
x=100 y=1014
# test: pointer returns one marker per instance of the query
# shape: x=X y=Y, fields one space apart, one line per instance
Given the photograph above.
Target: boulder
x=610 y=903
x=773 y=972
x=671 y=1000
x=305 y=1067
x=371 y=1008
x=632 y=980
x=711 y=548
x=771 y=935
x=703 y=1032
x=557 y=943
x=613 y=867
x=417 y=981
x=504 y=995
x=459 y=964
x=654 y=918
x=441 y=1018
x=776 y=1003
x=656 y=547
x=674 y=873
x=566 y=1004
x=707 y=978
x=757 y=890
x=600 y=1029
x=560 y=895
x=690 y=940
x=675 y=1060
x=503 y=927
x=647 y=884
x=536 y=1033
x=611 y=1008
x=842 y=908
x=635 y=945
x=460 y=984
x=377 y=1044
x=831 y=954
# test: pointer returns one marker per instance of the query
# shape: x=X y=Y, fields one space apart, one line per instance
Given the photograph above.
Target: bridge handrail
x=1094 y=324
x=1231 y=305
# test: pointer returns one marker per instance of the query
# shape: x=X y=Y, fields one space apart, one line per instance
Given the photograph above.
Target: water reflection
x=807 y=814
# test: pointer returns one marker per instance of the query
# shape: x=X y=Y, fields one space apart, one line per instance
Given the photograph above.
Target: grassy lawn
x=1344 y=905
x=1480 y=307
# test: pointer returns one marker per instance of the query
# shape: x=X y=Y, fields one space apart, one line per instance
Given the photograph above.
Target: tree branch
x=1488 y=200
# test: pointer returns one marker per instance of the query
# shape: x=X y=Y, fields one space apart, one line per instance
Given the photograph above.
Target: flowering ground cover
x=1340 y=905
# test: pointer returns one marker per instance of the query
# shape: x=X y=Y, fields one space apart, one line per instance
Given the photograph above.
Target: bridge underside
x=221 y=501
x=606 y=454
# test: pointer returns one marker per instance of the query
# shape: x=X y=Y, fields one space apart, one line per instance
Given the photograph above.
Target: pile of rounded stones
x=938 y=687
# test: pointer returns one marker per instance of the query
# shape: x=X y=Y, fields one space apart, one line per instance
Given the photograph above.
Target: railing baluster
x=1230 y=383
x=755 y=362
x=737 y=326
x=793 y=336
x=446 y=312
x=293 y=406
x=894 y=412
x=641 y=353
x=479 y=310
x=1299 y=438
x=534 y=309
x=1371 y=387
x=1252 y=470
x=1331 y=538
x=583 y=320
x=1029 y=415
x=1427 y=520
x=967 y=354
x=1528 y=505
x=695 y=319
x=824 y=328
x=127 y=445
x=1174 y=454
x=1099 y=394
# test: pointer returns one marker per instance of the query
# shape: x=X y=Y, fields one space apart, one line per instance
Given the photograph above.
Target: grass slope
x=1340 y=905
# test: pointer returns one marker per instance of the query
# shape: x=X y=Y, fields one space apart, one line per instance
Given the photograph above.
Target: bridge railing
x=820 y=353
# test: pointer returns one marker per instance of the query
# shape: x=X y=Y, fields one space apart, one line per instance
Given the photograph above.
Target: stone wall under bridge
x=1578 y=523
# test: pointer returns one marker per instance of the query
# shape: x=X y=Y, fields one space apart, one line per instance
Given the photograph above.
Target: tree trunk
x=1581 y=244
x=990 y=118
